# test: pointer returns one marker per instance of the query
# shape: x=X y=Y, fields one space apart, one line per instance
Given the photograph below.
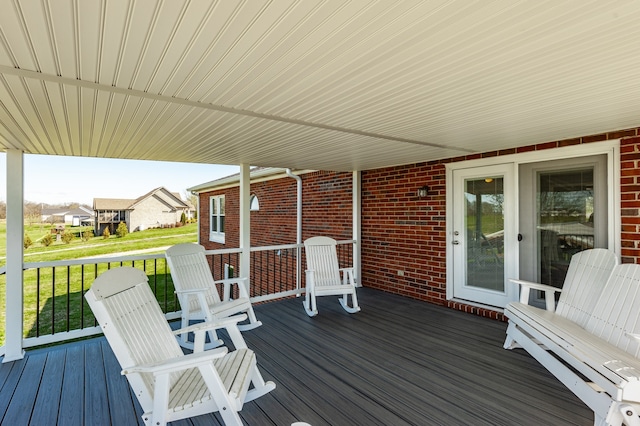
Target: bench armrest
x=549 y=292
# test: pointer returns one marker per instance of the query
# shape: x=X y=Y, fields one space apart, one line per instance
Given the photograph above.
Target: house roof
x=80 y=211
x=312 y=85
x=256 y=173
x=171 y=199
x=112 y=203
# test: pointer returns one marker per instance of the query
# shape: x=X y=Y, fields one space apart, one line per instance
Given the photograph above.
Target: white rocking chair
x=324 y=276
x=169 y=384
x=198 y=293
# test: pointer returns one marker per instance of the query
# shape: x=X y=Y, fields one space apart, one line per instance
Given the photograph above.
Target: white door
x=484 y=237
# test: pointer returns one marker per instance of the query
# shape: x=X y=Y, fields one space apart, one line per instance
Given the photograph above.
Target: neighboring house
x=80 y=216
x=156 y=209
x=479 y=220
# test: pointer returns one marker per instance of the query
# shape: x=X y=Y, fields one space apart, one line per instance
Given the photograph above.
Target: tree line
x=33 y=211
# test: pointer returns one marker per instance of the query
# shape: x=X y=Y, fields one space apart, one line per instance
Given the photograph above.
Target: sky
x=62 y=180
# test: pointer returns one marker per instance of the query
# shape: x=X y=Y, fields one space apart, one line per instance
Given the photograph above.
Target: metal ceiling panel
x=312 y=84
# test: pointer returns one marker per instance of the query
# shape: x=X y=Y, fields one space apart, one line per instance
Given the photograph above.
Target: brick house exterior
x=157 y=208
x=399 y=230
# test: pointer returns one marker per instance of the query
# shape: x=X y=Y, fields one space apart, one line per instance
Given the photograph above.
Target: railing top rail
x=92 y=260
x=138 y=257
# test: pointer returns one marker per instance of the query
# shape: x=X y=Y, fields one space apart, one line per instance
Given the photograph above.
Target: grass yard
x=47 y=295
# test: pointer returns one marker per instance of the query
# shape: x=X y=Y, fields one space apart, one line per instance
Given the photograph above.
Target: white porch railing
x=55 y=310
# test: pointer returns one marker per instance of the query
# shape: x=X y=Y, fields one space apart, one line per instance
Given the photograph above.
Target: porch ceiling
x=312 y=84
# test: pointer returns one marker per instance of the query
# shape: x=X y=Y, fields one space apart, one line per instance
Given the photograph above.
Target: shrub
x=122 y=230
x=106 y=234
x=67 y=237
x=27 y=241
x=183 y=219
x=46 y=240
x=87 y=235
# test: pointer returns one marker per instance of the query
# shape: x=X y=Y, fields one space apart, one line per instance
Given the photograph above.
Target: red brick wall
x=326 y=205
x=630 y=196
x=327 y=209
x=401 y=232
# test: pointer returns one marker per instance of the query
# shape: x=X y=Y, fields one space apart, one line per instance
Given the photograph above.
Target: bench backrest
x=586 y=278
x=617 y=313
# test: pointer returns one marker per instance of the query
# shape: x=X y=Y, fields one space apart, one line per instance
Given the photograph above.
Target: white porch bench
x=597 y=354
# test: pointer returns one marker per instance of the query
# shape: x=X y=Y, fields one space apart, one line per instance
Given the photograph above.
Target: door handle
x=455 y=242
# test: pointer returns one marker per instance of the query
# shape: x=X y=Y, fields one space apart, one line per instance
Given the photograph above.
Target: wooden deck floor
x=397 y=362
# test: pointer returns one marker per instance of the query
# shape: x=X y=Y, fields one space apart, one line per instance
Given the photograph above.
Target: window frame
x=217 y=201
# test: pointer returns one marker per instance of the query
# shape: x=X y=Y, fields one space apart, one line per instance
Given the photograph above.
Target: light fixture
x=423 y=191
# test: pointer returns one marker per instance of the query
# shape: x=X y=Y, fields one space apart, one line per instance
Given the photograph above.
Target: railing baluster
x=38 y=303
x=82 y=296
x=68 y=296
x=53 y=300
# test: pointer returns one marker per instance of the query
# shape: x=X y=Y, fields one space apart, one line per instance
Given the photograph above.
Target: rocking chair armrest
x=179 y=363
x=527 y=286
x=191 y=291
x=212 y=325
x=241 y=282
x=200 y=330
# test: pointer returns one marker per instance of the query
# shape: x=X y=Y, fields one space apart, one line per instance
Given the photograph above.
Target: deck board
x=48 y=399
x=398 y=361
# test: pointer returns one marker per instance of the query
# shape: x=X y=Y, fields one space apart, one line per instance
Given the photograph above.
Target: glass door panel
x=484 y=225
x=564 y=220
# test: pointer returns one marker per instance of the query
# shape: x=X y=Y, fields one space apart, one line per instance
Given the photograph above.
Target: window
x=216 y=220
x=254 y=205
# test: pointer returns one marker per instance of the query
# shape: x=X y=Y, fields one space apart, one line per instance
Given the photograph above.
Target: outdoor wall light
x=423 y=191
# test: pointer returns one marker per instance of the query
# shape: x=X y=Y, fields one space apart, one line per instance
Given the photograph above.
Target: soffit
x=329 y=85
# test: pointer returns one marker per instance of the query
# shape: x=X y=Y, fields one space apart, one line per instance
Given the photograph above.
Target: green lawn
x=64 y=287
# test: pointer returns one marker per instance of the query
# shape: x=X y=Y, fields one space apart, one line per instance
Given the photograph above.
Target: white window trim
x=217 y=237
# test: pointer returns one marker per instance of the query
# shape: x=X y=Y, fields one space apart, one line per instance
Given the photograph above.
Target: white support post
x=357 y=225
x=298 y=180
x=245 y=216
x=198 y=216
x=15 y=254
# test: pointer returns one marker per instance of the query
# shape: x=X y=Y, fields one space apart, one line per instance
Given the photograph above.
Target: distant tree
x=46 y=240
x=32 y=212
x=3 y=210
x=67 y=237
x=27 y=241
x=106 y=234
x=122 y=230
x=193 y=200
